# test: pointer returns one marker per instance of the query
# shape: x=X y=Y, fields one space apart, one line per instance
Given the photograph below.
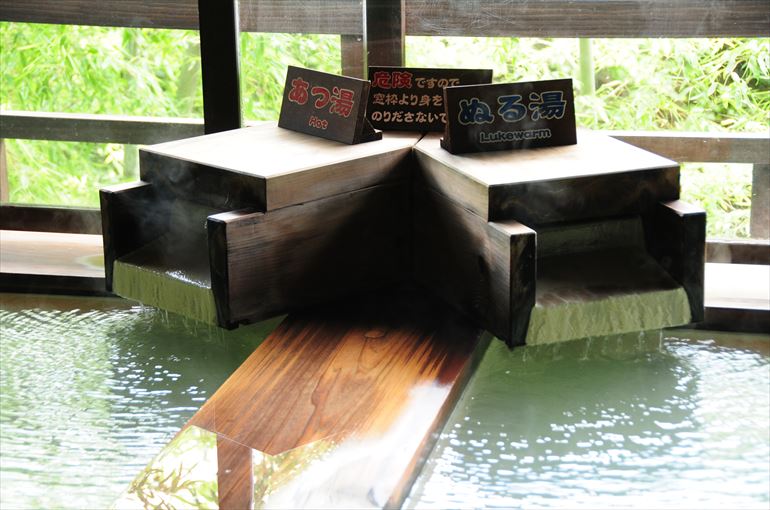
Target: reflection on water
x=92 y=389
x=631 y=421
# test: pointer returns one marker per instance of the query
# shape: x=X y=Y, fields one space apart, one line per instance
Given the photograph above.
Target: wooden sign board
x=326 y=105
x=509 y=116
x=412 y=99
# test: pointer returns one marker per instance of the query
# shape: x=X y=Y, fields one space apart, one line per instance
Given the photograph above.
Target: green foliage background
x=641 y=84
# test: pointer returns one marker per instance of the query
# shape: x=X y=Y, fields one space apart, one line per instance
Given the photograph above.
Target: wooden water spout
x=242 y=225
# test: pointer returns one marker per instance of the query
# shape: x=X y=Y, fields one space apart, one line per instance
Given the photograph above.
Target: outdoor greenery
x=640 y=84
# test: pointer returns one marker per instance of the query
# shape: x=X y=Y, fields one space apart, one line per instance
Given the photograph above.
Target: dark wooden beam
x=40 y=218
x=384 y=30
x=735 y=319
x=79 y=127
x=352 y=49
x=220 y=64
x=760 y=200
x=676 y=237
x=484 y=269
x=132 y=215
x=52 y=284
x=588 y=18
x=701 y=147
x=480 y=18
x=747 y=251
x=302 y=16
x=4 y=192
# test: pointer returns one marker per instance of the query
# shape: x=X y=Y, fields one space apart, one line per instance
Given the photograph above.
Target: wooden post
x=352 y=49
x=760 y=201
x=384 y=28
x=220 y=64
x=3 y=173
x=235 y=480
x=676 y=236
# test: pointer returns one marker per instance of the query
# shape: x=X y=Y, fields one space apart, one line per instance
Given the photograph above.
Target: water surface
x=92 y=389
x=673 y=420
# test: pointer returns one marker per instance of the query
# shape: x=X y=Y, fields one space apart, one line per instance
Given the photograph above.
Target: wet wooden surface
x=597 y=178
x=51 y=263
x=48 y=253
x=337 y=405
x=486 y=269
x=269 y=263
x=675 y=233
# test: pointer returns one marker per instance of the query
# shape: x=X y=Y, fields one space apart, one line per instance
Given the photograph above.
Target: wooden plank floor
x=334 y=409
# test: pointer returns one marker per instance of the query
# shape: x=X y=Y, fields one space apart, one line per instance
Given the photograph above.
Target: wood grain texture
x=739 y=286
x=4 y=193
x=266 y=168
x=760 y=201
x=588 y=18
x=235 y=478
x=384 y=32
x=133 y=214
x=43 y=262
x=352 y=55
x=700 y=147
x=266 y=263
x=738 y=251
x=81 y=127
x=487 y=270
x=43 y=218
x=64 y=254
x=675 y=233
x=359 y=385
x=598 y=177
x=480 y=18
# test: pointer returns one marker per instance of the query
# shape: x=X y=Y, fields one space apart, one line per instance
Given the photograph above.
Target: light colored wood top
x=594 y=154
x=47 y=253
x=742 y=286
x=268 y=151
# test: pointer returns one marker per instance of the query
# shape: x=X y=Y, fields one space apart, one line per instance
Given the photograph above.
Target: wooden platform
x=51 y=263
x=597 y=178
x=266 y=168
x=334 y=409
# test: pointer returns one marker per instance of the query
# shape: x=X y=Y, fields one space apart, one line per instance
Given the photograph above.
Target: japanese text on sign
x=339 y=100
x=404 y=80
x=548 y=105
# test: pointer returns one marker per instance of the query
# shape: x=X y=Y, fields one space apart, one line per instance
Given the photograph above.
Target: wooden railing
x=479 y=18
x=544 y=18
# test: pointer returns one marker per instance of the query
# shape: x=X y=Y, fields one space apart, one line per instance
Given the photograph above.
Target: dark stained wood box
x=264 y=219
x=480 y=218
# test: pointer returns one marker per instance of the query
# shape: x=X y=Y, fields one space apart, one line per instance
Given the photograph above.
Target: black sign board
x=509 y=116
x=412 y=99
x=326 y=105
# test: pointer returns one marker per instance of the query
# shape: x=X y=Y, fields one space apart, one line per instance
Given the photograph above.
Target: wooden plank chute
x=338 y=407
